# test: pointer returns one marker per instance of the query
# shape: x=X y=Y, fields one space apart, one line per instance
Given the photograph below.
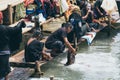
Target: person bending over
x=34 y=49
x=57 y=40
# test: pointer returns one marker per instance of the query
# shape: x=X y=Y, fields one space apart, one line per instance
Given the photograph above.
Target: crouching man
x=58 y=39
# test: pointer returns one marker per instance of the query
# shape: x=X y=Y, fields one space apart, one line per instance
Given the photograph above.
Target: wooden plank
x=20 y=73
x=25 y=64
x=16 y=2
x=30 y=25
x=17 y=57
x=4 y=3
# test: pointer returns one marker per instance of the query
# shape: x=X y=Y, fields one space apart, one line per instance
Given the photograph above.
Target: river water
x=99 y=61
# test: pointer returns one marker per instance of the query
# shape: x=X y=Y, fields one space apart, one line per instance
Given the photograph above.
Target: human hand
x=21 y=24
x=74 y=51
x=101 y=14
x=89 y=11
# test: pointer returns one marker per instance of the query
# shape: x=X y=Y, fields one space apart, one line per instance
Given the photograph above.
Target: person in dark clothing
x=77 y=22
x=38 y=3
x=34 y=49
x=118 y=4
x=98 y=10
x=16 y=39
x=81 y=3
x=92 y=23
x=5 y=34
x=57 y=40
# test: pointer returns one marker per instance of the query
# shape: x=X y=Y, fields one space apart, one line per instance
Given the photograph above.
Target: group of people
x=49 y=8
x=86 y=19
x=80 y=21
x=34 y=49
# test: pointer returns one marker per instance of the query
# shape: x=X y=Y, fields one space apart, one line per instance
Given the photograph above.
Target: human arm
x=69 y=45
x=87 y=14
x=46 y=55
x=99 y=11
x=17 y=28
x=95 y=30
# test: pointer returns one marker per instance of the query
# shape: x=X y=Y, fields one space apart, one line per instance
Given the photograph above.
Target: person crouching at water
x=57 y=40
x=6 y=33
x=34 y=49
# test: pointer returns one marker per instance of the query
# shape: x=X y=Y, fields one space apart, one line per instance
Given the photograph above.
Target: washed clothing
x=33 y=51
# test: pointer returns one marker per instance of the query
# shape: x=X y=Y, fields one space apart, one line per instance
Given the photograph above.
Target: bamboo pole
x=10 y=11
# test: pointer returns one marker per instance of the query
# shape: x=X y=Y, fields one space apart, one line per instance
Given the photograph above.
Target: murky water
x=100 y=61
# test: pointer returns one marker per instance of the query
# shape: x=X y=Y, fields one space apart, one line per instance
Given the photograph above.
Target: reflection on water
x=100 y=61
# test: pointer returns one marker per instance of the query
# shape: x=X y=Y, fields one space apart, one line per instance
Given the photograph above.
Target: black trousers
x=4 y=65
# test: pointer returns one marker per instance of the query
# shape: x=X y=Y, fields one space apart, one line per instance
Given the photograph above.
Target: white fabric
x=89 y=37
x=89 y=6
x=115 y=15
x=64 y=5
x=41 y=18
x=109 y=6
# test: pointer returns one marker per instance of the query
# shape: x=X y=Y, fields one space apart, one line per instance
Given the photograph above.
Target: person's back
x=57 y=35
x=33 y=51
x=33 y=48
